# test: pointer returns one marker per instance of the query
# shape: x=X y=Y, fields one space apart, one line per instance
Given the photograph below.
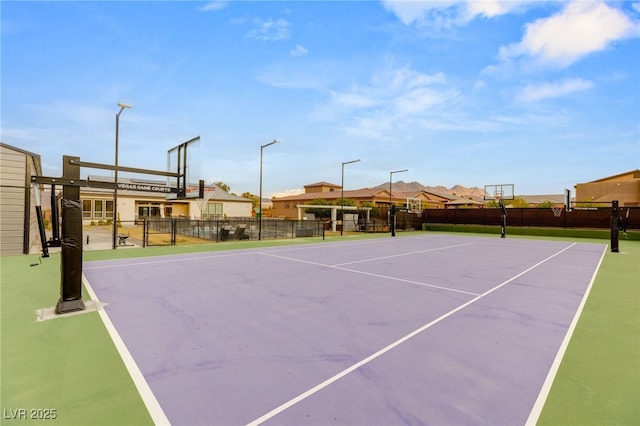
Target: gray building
x=18 y=221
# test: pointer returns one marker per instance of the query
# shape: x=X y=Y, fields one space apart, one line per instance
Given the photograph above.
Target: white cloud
x=287 y=192
x=446 y=13
x=399 y=92
x=270 y=30
x=421 y=99
x=554 y=90
x=581 y=28
x=213 y=6
x=299 y=50
x=350 y=100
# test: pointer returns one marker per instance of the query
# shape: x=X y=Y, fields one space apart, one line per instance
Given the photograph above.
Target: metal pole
x=115 y=181
x=342 y=195
x=392 y=218
x=260 y=201
x=342 y=202
x=115 y=177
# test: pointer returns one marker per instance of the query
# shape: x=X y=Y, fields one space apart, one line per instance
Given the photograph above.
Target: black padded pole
x=71 y=241
x=55 y=219
x=615 y=215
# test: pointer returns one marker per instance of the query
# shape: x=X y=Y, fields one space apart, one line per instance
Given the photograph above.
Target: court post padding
x=71 y=242
x=503 y=211
x=392 y=220
x=615 y=226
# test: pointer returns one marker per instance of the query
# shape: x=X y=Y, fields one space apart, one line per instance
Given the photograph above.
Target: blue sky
x=540 y=94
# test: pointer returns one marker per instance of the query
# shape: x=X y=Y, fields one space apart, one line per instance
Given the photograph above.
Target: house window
x=148 y=211
x=109 y=209
x=97 y=209
x=212 y=211
x=86 y=209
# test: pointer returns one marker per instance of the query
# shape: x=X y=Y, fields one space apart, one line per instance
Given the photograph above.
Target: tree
x=519 y=202
x=347 y=202
x=320 y=213
x=226 y=188
x=255 y=200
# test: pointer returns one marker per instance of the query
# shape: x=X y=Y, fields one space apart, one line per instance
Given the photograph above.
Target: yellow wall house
x=624 y=187
x=372 y=197
x=97 y=203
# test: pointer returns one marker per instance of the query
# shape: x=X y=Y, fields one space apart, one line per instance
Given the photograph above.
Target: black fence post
x=615 y=215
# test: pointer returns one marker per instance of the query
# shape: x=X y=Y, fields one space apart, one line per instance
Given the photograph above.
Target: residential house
x=287 y=207
x=97 y=203
x=623 y=187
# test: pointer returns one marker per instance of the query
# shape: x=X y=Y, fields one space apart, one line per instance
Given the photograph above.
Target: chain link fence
x=172 y=231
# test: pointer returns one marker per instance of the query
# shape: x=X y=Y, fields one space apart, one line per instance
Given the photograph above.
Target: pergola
x=334 y=211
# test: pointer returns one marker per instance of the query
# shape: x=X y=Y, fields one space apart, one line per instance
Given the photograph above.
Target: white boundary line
x=553 y=371
x=354 y=271
x=398 y=342
x=149 y=399
x=386 y=277
x=402 y=254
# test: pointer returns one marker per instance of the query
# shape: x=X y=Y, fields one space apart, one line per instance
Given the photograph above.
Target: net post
x=71 y=253
x=503 y=211
x=615 y=216
x=392 y=220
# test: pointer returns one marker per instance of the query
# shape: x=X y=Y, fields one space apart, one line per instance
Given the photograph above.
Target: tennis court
x=437 y=329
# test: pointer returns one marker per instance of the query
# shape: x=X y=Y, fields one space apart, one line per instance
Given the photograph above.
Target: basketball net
x=202 y=202
x=557 y=211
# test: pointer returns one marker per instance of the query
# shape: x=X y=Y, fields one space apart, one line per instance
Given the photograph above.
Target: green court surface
x=68 y=368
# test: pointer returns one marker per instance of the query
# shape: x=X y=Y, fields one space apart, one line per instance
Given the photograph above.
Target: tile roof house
x=370 y=197
x=623 y=187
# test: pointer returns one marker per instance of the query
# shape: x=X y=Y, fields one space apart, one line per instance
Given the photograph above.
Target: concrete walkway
x=93 y=238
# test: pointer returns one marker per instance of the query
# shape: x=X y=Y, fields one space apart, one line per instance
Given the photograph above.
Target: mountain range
x=456 y=190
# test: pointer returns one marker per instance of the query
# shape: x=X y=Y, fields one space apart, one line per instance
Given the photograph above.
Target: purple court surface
x=434 y=329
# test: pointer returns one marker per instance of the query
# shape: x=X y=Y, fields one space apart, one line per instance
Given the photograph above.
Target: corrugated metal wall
x=18 y=222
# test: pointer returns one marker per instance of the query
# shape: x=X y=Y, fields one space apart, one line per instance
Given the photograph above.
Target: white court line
x=398 y=342
x=546 y=386
x=369 y=273
x=309 y=262
x=163 y=259
x=149 y=399
x=403 y=254
x=406 y=281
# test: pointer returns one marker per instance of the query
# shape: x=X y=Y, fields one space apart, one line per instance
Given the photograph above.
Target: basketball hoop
x=557 y=211
x=203 y=202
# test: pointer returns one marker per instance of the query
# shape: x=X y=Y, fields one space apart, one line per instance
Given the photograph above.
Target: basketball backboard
x=503 y=191
x=414 y=205
x=185 y=160
x=567 y=199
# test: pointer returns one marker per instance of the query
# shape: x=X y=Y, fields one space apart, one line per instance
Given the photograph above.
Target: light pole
x=342 y=195
x=392 y=217
x=115 y=176
x=262 y=147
